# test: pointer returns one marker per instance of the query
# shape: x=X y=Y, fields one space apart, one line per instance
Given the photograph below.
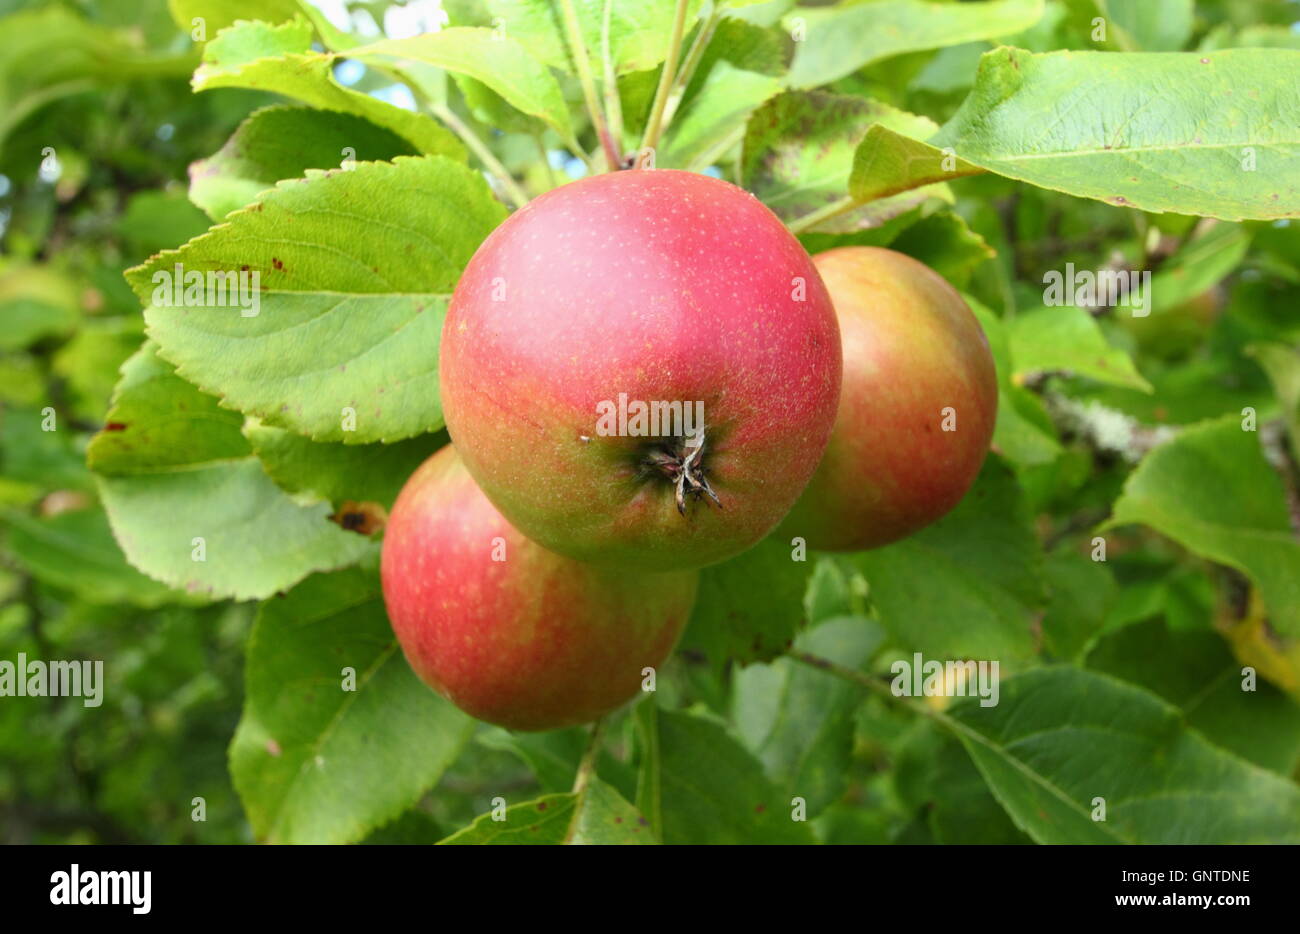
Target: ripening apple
x=917 y=407
x=633 y=291
x=507 y=631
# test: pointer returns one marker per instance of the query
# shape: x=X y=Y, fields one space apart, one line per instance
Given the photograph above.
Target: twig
x=479 y=148
x=573 y=31
x=656 y=123
x=692 y=61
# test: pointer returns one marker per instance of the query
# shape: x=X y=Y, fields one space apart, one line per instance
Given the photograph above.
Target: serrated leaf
x=1066 y=337
x=841 y=39
x=1211 y=490
x=498 y=61
x=599 y=816
x=966 y=587
x=747 y=608
x=1162 y=782
x=277 y=143
x=703 y=128
x=887 y=162
x=355 y=269
x=714 y=791
x=173 y=467
x=314 y=762
x=1165 y=131
x=278 y=59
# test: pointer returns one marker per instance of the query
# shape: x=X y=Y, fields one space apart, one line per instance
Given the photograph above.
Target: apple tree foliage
x=181 y=498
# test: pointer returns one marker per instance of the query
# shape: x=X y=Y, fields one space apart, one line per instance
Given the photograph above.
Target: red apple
x=651 y=286
x=506 y=630
x=917 y=408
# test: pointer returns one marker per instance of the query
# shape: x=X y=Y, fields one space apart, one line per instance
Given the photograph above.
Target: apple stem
x=573 y=31
x=656 y=124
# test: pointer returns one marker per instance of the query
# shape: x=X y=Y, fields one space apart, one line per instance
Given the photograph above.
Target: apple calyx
x=681 y=460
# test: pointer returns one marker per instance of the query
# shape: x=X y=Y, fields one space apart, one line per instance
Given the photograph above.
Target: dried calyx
x=681 y=460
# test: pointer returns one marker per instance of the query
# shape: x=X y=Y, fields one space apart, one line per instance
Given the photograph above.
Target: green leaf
x=798 y=151
x=1067 y=338
x=966 y=587
x=714 y=791
x=800 y=722
x=841 y=39
x=748 y=608
x=1162 y=782
x=1082 y=592
x=218 y=14
x=355 y=271
x=174 y=468
x=498 y=61
x=1211 y=490
x=75 y=551
x=703 y=129
x=36 y=302
x=639 y=30
x=1195 y=671
x=282 y=142
x=1023 y=432
x=945 y=243
x=336 y=473
x=649 y=775
x=598 y=816
x=888 y=161
x=278 y=59
x=1282 y=364
x=314 y=761
x=1164 y=132
x=1150 y=26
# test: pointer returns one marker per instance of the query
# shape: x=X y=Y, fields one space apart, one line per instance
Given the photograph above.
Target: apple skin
x=667 y=286
x=912 y=347
x=533 y=642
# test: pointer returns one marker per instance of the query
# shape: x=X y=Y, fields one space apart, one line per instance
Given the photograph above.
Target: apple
x=507 y=631
x=917 y=408
x=630 y=291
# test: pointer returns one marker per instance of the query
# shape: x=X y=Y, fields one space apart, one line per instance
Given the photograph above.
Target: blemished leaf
x=335 y=473
x=281 y=142
x=279 y=59
x=714 y=790
x=75 y=551
x=748 y=607
x=1149 y=26
x=355 y=267
x=968 y=586
x=338 y=736
x=498 y=61
x=1195 y=671
x=1067 y=338
x=188 y=502
x=639 y=30
x=798 y=151
x=1211 y=490
x=597 y=817
x=1209 y=134
x=842 y=38
x=800 y=721
x=1162 y=781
